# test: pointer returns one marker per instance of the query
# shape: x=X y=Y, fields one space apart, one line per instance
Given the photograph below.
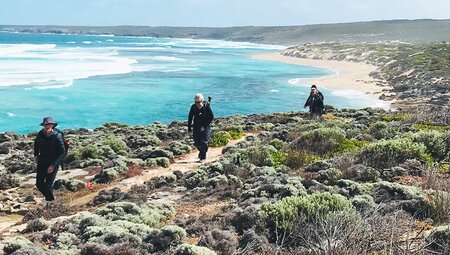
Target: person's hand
x=202 y=129
x=50 y=169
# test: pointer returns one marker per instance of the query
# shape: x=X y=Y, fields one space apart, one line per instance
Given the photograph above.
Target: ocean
x=86 y=81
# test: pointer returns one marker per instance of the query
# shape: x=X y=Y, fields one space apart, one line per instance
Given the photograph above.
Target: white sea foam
x=361 y=98
x=46 y=66
x=196 y=43
x=167 y=58
x=110 y=40
x=274 y=91
x=55 y=85
x=10 y=49
x=87 y=42
x=181 y=69
x=10 y=114
x=71 y=42
x=302 y=82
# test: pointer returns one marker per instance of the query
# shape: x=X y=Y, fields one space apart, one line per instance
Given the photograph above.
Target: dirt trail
x=186 y=163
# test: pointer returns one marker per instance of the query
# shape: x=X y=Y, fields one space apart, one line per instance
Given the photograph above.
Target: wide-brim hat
x=48 y=120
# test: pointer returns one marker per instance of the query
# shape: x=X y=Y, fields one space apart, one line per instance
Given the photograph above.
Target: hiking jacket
x=202 y=117
x=315 y=101
x=49 y=149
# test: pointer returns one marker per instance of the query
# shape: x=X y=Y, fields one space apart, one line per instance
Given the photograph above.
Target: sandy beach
x=349 y=75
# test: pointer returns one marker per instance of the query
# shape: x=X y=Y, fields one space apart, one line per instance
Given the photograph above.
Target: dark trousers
x=316 y=112
x=201 y=140
x=44 y=180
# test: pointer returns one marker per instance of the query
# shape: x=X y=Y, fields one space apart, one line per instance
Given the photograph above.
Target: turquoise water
x=86 y=81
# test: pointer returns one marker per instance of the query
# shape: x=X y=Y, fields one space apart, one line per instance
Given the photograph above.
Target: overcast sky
x=221 y=13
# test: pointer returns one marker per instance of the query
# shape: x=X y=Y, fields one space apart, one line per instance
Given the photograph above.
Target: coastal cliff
x=136 y=189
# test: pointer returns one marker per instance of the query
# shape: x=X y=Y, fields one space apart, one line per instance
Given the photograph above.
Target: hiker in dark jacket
x=202 y=116
x=49 y=152
x=315 y=103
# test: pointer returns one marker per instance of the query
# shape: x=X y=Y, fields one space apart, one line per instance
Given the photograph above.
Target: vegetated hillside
x=359 y=182
x=418 y=73
x=404 y=30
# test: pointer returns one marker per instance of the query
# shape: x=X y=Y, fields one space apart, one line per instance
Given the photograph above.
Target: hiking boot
x=201 y=161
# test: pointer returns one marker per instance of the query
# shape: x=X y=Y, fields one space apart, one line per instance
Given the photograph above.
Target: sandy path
x=186 y=163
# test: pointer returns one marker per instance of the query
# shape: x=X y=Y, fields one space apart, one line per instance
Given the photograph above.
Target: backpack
x=67 y=145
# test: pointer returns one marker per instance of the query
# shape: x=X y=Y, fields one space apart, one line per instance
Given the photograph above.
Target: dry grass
x=201 y=208
x=133 y=170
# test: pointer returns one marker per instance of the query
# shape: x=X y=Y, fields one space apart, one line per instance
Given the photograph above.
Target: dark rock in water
x=317 y=166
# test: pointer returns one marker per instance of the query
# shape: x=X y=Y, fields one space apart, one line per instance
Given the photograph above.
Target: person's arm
x=60 y=150
x=321 y=95
x=209 y=115
x=36 y=145
x=190 y=117
x=307 y=103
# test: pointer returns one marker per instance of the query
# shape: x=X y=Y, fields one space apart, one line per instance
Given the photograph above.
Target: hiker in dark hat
x=202 y=116
x=315 y=103
x=49 y=152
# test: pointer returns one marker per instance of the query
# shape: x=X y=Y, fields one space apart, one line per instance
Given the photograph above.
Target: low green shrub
x=36 y=225
x=329 y=176
x=434 y=141
x=385 y=154
x=283 y=213
x=296 y=159
x=379 y=130
x=195 y=179
x=235 y=132
x=150 y=215
x=219 y=138
x=15 y=244
x=90 y=151
x=439 y=240
x=262 y=155
x=277 y=143
x=187 y=249
x=116 y=144
x=408 y=198
x=8 y=181
x=320 y=141
x=350 y=146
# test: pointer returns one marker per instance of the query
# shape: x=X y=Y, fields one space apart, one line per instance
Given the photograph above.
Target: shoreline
x=348 y=75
